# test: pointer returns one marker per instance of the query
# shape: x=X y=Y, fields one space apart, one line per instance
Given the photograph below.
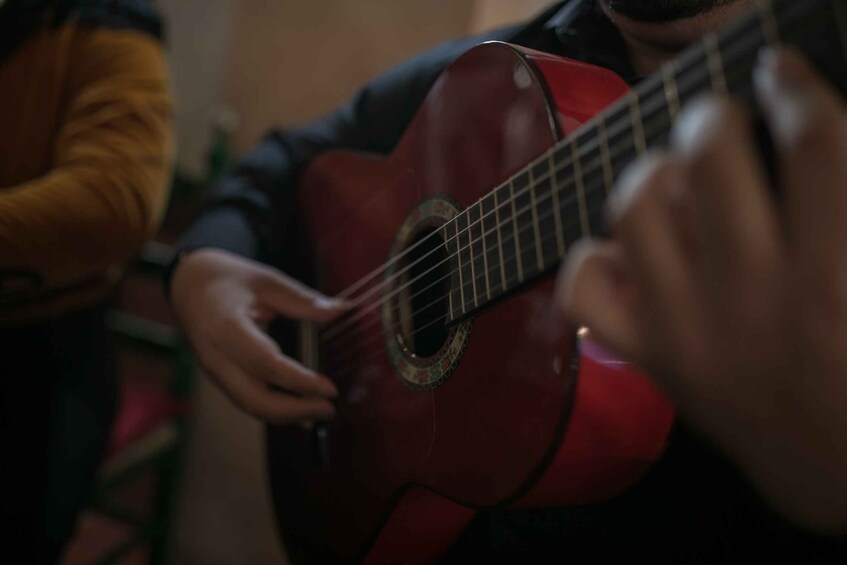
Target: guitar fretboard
x=523 y=228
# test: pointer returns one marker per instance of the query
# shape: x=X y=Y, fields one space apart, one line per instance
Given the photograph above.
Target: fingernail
x=326 y=303
x=778 y=68
x=764 y=74
x=631 y=180
x=768 y=58
x=619 y=199
x=696 y=119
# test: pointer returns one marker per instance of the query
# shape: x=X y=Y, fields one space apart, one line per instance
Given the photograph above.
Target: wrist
x=171 y=269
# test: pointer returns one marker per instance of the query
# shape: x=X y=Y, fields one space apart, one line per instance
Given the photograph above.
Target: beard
x=657 y=11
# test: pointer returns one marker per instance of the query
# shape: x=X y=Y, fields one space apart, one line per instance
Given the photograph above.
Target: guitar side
x=525 y=416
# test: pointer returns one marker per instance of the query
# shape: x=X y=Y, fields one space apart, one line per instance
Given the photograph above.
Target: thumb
x=590 y=293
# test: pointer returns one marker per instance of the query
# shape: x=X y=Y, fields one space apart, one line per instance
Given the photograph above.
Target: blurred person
x=85 y=160
x=694 y=505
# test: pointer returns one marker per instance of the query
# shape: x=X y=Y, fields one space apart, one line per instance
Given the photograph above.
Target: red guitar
x=461 y=387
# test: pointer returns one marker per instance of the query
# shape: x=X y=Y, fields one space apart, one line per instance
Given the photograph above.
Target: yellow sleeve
x=106 y=189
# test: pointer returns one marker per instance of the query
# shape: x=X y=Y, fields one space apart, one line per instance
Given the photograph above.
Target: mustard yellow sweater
x=85 y=160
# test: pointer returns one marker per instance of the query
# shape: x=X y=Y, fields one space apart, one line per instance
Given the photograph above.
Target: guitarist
x=695 y=505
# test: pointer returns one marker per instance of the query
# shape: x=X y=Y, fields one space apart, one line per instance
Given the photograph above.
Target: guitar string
x=487 y=271
x=588 y=148
x=656 y=108
x=360 y=339
x=693 y=53
x=473 y=283
x=514 y=235
x=563 y=187
x=379 y=334
x=503 y=240
x=374 y=320
x=729 y=34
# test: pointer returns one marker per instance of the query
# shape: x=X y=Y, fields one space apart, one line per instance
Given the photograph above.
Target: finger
x=248 y=347
x=255 y=398
x=644 y=223
x=736 y=216
x=592 y=292
x=295 y=300
x=808 y=123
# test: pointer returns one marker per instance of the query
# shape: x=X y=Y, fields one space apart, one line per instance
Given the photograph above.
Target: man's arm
x=224 y=298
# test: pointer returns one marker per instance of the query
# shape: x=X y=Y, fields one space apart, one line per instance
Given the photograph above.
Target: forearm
x=80 y=220
x=104 y=165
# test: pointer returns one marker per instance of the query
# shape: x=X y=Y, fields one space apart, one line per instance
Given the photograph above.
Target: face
x=664 y=10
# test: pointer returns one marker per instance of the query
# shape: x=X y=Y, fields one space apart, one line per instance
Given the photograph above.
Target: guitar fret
x=638 y=127
x=535 y=227
x=477 y=244
x=605 y=156
x=469 y=247
x=506 y=226
x=452 y=246
x=547 y=200
x=580 y=190
x=557 y=210
x=516 y=230
x=715 y=62
x=490 y=231
x=671 y=90
x=465 y=264
x=499 y=240
x=484 y=216
x=527 y=242
x=450 y=302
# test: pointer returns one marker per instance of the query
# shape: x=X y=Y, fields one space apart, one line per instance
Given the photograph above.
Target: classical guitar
x=460 y=386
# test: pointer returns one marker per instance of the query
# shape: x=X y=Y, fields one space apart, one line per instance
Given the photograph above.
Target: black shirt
x=694 y=506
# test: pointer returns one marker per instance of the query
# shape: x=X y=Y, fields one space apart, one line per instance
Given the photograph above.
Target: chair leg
x=166 y=501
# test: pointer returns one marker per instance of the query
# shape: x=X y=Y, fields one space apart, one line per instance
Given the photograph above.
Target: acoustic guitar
x=461 y=387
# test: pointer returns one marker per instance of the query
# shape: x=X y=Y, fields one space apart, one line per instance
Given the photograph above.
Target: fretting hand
x=737 y=305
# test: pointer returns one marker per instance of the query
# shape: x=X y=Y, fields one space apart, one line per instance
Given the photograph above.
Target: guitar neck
x=523 y=228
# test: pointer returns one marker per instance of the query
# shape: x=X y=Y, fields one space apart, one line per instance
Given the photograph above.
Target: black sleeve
x=250 y=204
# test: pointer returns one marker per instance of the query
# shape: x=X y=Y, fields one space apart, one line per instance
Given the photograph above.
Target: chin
x=662 y=11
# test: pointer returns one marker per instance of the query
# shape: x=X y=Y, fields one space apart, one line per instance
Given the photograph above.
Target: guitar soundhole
x=421 y=305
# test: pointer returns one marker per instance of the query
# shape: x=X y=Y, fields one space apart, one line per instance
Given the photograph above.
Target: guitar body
x=508 y=407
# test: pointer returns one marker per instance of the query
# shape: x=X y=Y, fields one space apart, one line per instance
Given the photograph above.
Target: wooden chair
x=149 y=433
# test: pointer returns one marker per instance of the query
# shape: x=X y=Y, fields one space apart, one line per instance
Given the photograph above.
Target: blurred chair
x=150 y=428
